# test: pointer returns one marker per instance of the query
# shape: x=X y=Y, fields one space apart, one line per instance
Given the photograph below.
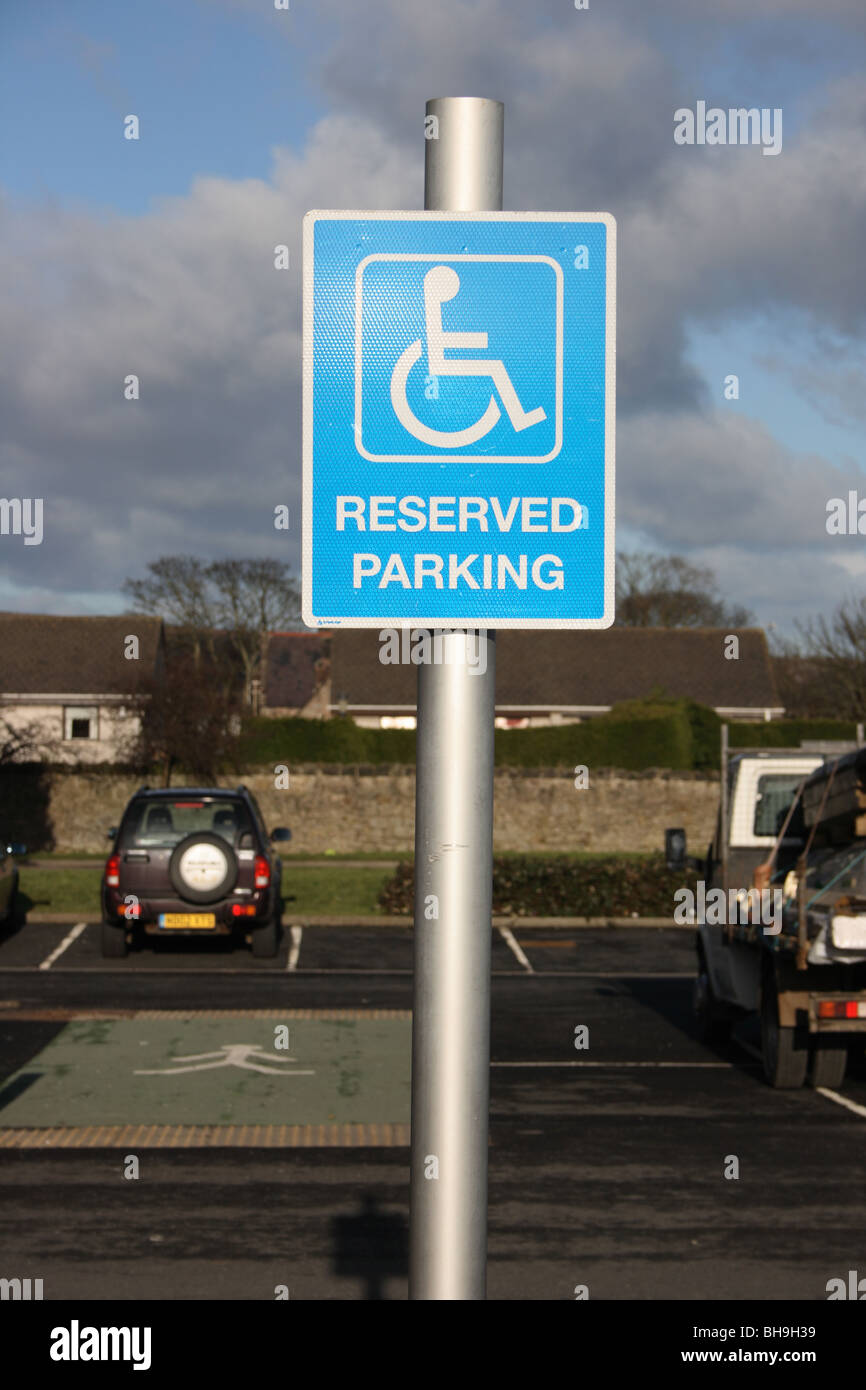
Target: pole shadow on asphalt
x=371 y=1245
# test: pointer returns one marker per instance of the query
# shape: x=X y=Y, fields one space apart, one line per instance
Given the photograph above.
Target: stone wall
x=368 y=809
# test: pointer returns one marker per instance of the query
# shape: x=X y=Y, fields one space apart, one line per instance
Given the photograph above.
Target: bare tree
x=24 y=743
x=177 y=589
x=253 y=598
x=836 y=650
x=247 y=599
x=186 y=720
x=667 y=591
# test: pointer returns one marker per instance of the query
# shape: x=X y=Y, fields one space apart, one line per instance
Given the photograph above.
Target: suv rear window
x=160 y=822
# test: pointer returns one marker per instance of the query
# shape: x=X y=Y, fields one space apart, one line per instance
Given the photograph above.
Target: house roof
x=43 y=654
x=578 y=670
x=296 y=666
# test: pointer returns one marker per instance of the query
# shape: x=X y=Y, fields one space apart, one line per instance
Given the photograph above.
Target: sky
x=155 y=257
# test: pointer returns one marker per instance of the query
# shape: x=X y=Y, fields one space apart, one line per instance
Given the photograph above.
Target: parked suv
x=193 y=862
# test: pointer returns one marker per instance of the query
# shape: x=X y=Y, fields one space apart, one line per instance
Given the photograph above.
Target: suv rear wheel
x=113 y=941
x=266 y=939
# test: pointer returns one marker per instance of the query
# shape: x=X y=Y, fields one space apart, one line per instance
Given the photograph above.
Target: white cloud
x=186 y=296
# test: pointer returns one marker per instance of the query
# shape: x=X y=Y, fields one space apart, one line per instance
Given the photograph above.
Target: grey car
x=9 y=879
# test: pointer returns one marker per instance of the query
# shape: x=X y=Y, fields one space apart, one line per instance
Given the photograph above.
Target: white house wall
x=115 y=728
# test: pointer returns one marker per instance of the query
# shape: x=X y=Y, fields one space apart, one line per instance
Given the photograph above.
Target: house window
x=80 y=721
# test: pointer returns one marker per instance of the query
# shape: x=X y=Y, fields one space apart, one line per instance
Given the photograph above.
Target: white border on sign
x=479 y=457
x=473 y=621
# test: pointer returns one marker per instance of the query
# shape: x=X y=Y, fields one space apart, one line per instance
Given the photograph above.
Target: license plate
x=187 y=919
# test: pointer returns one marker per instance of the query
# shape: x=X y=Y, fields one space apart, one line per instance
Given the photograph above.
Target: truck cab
x=795 y=968
x=759 y=788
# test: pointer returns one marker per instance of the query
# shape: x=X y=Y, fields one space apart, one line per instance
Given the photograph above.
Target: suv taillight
x=112 y=871
x=262 y=872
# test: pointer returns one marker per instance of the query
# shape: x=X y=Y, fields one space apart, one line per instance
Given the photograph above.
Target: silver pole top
x=463 y=159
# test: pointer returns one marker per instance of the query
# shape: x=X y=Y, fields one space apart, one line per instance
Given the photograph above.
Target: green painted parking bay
x=215 y=1071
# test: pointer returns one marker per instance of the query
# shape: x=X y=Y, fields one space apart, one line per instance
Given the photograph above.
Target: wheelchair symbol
x=440 y=284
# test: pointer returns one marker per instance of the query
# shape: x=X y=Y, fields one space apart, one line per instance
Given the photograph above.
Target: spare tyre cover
x=203 y=867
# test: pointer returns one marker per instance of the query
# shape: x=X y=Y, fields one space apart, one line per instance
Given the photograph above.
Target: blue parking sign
x=458 y=419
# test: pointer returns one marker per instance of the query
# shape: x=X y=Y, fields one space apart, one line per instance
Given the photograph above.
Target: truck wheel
x=784 y=1051
x=828 y=1065
x=113 y=941
x=711 y=1025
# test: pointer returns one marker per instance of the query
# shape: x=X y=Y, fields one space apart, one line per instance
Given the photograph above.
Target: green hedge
x=562 y=886
x=706 y=727
x=634 y=738
x=322 y=741
x=636 y=735
x=788 y=733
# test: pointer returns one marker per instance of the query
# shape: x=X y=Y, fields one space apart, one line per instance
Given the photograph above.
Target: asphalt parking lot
x=260 y=1166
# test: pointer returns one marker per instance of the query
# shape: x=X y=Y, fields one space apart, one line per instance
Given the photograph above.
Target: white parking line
x=67 y=941
x=728 y=1065
x=296 y=934
x=842 y=1100
x=508 y=936
x=128 y=967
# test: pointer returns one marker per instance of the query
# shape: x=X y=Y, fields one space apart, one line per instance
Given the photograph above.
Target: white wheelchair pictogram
x=440 y=284
x=231 y=1055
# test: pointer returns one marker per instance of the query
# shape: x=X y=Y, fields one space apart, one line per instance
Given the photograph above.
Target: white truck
x=802 y=967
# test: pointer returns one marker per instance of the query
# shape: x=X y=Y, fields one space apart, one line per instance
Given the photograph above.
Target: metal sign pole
x=454 y=852
x=723 y=809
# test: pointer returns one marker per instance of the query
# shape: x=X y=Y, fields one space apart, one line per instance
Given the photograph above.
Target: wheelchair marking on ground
x=205 y=1070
